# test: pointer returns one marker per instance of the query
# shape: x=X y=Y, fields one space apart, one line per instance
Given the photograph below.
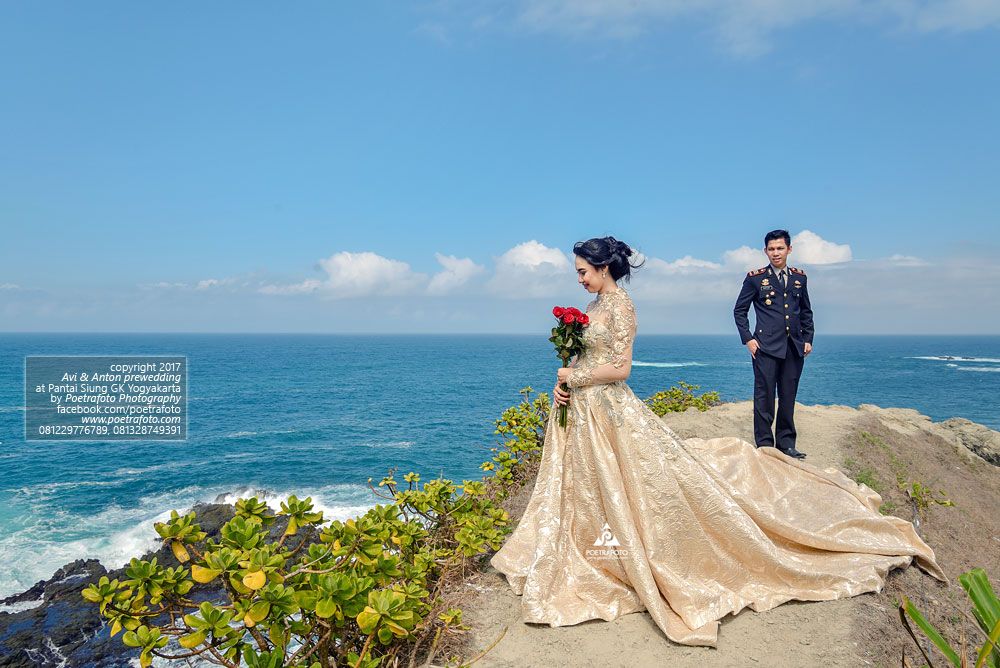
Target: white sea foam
x=45 y=491
x=250 y=434
x=46 y=538
x=955 y=358
x=358 y=499
x=666 y=365
x=21 y=606
x=166 y=466
x=984 y=369
x=388 y=444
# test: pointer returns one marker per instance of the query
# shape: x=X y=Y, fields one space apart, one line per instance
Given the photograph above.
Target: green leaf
x=368 y=619
x=991 y=645
x=932 y=633
x=984 y=600
x=91 y=594
x=326 y=607
x=192 y=640
x=255 y=579
x=202 y=574
x=259 y=611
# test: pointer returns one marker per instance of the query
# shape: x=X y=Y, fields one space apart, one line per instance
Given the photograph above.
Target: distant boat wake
x=666 y=365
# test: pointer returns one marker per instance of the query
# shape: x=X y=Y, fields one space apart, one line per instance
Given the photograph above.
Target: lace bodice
x=608 y=337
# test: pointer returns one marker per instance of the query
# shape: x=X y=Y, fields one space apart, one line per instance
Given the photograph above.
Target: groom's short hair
x=777 y=234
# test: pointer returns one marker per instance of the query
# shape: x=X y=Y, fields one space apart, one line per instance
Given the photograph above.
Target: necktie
x=781 y=278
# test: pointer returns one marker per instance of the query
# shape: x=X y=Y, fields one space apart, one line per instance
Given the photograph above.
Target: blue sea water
x=318 y=415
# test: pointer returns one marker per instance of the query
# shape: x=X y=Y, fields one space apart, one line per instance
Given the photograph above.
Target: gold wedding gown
x=625 y=516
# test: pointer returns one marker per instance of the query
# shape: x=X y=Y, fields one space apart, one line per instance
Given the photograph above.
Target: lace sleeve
x=623 y=326
x=580 y=376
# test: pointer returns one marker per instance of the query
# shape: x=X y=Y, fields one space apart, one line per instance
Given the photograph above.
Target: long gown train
x=625 y=517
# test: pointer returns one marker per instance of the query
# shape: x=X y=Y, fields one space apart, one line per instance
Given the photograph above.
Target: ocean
x=317 y=415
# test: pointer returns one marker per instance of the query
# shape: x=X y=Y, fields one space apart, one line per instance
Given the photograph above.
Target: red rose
x=568 y=318
x=558 y=311
x=584 y=319
x=576 y=312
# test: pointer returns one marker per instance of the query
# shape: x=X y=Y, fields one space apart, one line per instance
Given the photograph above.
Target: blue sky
x=340 y=167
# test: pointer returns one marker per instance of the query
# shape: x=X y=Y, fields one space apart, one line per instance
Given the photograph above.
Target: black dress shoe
x=794 y=453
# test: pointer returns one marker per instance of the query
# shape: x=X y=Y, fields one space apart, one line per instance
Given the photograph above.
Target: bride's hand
x=561 y=397
x=562 y=375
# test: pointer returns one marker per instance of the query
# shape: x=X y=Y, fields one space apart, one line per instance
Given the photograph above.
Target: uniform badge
x=767 y=301
x=798 y=284
x=765 y=282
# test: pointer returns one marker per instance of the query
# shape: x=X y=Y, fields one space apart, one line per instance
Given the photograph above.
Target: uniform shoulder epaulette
x=796 y=270
x=757 y=272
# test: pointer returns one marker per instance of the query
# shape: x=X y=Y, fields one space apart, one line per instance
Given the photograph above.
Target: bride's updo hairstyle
x=608 y=252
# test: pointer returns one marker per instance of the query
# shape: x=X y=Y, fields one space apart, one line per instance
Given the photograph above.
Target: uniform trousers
x=771 y=373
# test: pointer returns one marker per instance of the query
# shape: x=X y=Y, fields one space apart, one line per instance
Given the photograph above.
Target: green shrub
x=681 y=397
x=365 y=592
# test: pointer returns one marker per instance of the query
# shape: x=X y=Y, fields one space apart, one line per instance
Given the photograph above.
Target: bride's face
x=589 y=276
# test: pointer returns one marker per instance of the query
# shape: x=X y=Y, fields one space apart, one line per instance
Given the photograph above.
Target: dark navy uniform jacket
x=781 y=313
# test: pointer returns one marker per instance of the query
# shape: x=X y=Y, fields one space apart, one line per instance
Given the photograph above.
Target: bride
x=625 y=516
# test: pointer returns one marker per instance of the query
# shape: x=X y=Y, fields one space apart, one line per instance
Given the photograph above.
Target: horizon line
x=384 y=333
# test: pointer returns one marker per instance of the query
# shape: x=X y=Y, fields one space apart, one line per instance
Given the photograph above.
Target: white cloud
x=697 y=281
x=532 y=269
x=949 y=15
x=9 y=286
x=209 y=283
x=368 y=273
x=456 y=273
x=906 y=261
x=742 y=27
x=744 y=258
x=810 y=248
x=201 y=286
x=305 y=287
x=684 y=265
x=357 y=275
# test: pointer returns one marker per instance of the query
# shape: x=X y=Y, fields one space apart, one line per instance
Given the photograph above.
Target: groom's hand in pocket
x=752 y=346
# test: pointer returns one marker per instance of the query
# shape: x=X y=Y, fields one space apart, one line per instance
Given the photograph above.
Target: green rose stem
x=563 y=409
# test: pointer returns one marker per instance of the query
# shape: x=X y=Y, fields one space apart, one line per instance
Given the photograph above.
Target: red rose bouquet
x=567 y=337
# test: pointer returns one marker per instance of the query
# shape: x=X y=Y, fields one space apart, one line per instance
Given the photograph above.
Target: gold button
x=786 y=317
x=786 y=328
x=786 y=294
x=786 y=305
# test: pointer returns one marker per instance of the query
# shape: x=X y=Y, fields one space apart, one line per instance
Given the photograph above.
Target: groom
x=781 y=342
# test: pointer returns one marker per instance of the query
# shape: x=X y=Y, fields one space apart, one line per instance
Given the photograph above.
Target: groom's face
x=777 y=252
